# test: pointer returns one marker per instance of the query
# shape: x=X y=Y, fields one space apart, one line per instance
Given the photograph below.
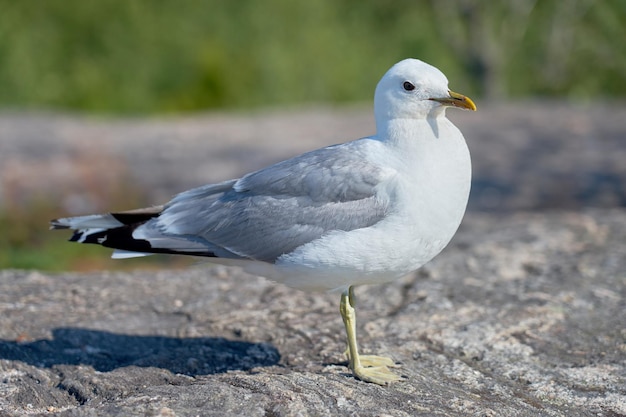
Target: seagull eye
x=408 y=86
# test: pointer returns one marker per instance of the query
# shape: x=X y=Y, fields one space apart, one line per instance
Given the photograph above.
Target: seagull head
x=412 y=89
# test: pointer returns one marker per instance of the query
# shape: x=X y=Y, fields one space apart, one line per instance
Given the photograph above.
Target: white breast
x=427 y=199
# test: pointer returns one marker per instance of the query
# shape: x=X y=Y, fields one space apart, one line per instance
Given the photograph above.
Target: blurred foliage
x=140 y=56
x=159 y=56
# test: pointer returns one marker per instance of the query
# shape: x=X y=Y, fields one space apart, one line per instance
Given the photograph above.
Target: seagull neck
x=398 y=131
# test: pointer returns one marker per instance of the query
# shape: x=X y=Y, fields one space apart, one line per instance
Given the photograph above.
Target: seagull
x=367 y=211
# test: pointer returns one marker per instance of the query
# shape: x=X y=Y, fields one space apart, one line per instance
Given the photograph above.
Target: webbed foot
x=380 y=375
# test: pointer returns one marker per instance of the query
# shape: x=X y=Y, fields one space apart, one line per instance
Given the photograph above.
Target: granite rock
x=522 y=315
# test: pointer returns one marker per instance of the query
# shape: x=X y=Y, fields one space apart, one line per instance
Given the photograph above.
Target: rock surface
x=522 y=315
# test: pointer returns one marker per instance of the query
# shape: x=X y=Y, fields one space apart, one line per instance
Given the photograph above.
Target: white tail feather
x=125 y=254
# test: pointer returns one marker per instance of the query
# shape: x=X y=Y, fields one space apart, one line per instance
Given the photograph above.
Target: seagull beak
x=456 y=100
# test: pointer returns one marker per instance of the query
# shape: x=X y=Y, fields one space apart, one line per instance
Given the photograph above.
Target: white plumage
x=363 y=212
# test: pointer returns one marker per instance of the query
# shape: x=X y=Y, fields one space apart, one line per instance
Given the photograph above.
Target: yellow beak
x=456 y=100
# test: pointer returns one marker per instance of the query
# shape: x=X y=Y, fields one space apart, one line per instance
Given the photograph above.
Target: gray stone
x=522 y=315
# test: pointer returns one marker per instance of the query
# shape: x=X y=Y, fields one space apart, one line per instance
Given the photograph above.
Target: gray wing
x=273 y=211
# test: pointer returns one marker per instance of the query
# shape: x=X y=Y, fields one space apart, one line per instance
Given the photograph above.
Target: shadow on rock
x=106 y=351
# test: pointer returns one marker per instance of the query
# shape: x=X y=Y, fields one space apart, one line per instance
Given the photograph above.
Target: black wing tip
x=134 y=217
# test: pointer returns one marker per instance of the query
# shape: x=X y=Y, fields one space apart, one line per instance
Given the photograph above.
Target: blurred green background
x=156 y=56
x=140 y=57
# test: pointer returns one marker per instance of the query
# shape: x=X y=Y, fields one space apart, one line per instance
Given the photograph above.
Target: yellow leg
x=366 y=368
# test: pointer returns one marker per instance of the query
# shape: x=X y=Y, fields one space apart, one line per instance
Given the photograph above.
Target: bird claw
x=380 y=375
x=369 y=361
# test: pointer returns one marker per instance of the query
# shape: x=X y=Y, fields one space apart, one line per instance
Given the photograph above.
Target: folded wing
x=261 y=216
